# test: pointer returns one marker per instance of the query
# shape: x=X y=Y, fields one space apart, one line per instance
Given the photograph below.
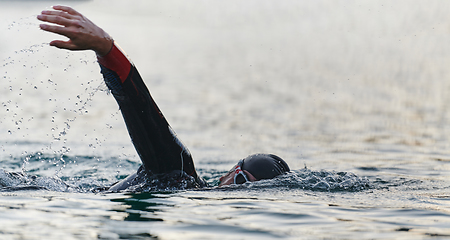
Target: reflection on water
x=134 y=204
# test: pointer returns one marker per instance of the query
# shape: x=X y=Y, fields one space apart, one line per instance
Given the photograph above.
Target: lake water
x=354 y=95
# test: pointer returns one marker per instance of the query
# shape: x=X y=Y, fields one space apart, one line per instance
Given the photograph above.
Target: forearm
x=157 y=145
x=115 y=61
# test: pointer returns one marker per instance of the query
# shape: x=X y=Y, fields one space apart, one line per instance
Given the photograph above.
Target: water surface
x=353 y=95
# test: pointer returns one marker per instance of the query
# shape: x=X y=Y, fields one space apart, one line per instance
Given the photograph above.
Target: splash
x=93 y=174
x=44 y=92
x=322 y=181
x=174 y=181
x=14 y=181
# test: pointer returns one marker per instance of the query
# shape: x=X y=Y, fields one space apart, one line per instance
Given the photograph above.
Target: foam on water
x=15 y=181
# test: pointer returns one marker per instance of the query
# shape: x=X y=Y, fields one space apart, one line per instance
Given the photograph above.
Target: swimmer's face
x=234 y=174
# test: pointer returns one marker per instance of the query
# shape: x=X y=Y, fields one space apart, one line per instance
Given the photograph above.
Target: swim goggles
x=238 y=173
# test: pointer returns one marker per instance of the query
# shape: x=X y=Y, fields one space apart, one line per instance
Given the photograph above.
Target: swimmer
x=162 y=154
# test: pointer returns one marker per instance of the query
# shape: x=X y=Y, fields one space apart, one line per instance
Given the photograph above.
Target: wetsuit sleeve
x=156 y=143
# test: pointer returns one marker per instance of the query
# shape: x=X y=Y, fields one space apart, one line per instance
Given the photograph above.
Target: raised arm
x=156 y=143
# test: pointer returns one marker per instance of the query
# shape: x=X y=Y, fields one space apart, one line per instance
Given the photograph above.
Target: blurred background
x=356 y=91
x=332 y=84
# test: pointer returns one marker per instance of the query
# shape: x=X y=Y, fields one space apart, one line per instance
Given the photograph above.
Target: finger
x=63 y=45
x=58 y=13
x=55 y=19
x=56 y=29
x=67 y=9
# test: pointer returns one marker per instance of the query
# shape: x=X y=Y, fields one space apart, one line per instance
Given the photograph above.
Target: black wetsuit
x=161 y=152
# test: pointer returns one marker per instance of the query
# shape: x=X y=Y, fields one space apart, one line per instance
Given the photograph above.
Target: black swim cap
x=264 y=166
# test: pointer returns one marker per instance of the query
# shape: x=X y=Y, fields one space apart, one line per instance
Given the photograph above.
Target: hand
x=82 y=33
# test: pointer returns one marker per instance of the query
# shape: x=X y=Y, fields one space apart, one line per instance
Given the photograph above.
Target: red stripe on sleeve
x=116 y=61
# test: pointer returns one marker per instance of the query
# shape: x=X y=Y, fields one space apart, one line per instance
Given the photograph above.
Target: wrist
x=104 y=46
x=117 y=61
